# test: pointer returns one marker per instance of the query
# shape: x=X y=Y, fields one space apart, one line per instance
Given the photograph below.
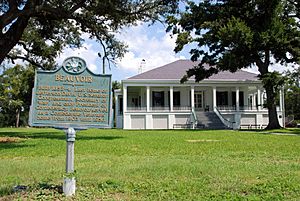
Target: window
x=158 y=99
x=136 y=101
x=250 y=101
x=222 y=98
x=198 y=98
x=176 y=98
x=120 y=105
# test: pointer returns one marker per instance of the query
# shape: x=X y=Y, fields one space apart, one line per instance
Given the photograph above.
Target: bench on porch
x=188 y=126
x=182 y=125
x=252 y=126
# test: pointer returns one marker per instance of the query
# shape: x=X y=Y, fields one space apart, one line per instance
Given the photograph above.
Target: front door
x=198 y=98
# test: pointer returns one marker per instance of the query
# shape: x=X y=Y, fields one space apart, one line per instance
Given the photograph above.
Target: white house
x=156 y=100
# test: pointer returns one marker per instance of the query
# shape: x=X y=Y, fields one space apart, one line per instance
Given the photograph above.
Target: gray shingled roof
x=177 y=69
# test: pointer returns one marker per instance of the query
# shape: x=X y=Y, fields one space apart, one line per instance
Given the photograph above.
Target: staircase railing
x=289 y=119
x=225 y=121
x=194 y=119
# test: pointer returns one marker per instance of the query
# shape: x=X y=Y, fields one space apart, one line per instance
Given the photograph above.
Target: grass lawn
x=152 y=165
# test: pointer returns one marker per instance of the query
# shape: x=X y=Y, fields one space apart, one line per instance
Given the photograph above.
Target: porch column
x=171 y=98
x=214 y=98
x=258 y=99
x=237 y=98
x=148 y=98
x=254 y=102
x=124 y=98
x=192 y=97
x=262 y=99
x=142 y=100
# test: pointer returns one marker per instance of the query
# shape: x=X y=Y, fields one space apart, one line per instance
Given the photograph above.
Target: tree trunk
x=271 y=94
x=9 y=39
x=272 y=112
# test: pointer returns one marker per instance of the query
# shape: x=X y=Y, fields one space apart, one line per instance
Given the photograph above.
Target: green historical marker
x=71 y=98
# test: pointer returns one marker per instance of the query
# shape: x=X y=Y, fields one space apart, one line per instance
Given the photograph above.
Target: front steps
x=210 y=120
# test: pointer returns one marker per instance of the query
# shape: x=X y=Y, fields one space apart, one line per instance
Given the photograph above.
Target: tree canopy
x=38 y=30
x=230 y=35
x=16 y=85
x=292 y=97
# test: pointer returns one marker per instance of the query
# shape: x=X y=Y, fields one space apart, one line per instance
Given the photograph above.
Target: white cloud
x=87 y=52
x=148 y=43
x=144 y=42
x=92 y=67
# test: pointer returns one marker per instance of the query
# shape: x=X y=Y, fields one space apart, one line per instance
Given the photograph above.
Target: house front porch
x=161 y=106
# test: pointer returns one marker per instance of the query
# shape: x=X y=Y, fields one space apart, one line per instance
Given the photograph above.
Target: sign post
x=71 y=98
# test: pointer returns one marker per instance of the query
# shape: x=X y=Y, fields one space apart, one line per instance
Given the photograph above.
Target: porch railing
x=137 y=109
x=194 y=119
x=158 y=109
x=182 y=108
x=188 y=108
x=242 y=108
x=226 y=107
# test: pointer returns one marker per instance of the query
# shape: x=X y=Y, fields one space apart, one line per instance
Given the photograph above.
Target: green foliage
x=116 y=85
x=153 y=165
x=37 y=31
x=230 y=35
x=292 y=94
x=274 y=79
x=15 y=94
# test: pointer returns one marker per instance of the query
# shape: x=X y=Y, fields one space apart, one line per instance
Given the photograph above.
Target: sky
x=149 y=43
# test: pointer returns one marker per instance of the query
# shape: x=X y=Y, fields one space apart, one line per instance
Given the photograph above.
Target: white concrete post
x=237 y=98
x=258 y=99
x=148 y=98
x=116 y=109
x=171 y=121
x=237 y=119
x=259 y=119
x=192 y=97
x=124 y=99
x=69 y=185
x=283 y=109
x=149 y=121
x=171 y=98
x=214 y=98
x=280 y=100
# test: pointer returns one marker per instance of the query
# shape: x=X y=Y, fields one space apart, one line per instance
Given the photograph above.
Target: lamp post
x=103 y=62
